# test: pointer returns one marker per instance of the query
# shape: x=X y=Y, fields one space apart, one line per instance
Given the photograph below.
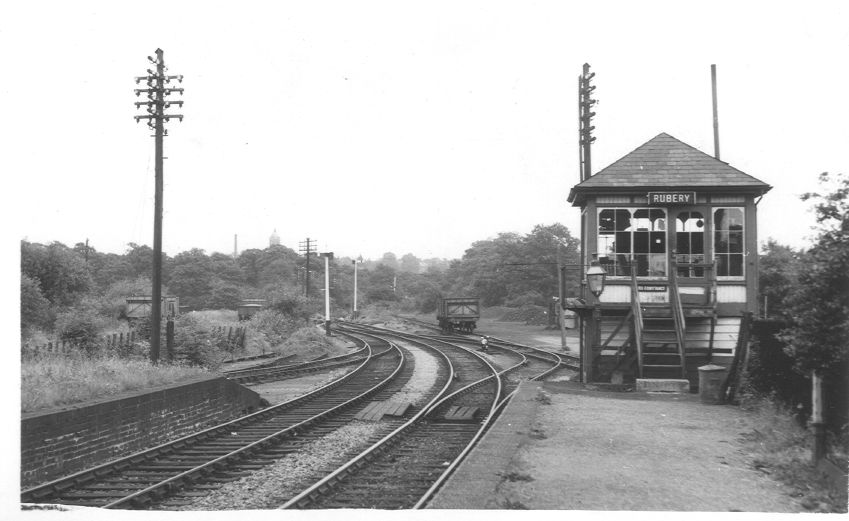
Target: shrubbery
x=81 y=326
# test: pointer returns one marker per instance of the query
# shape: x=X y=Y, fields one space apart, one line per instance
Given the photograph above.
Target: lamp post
x=355 y=262
x=327 y=256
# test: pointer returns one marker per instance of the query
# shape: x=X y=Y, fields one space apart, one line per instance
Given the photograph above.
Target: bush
x=529 y=298
x=771 y=370
x=270 y=328
x=297 y=307
x=81 y=325
x=196 y=343
x=309 y=341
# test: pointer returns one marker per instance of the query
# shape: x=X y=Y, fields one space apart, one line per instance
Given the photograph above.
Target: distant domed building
x=274 y=240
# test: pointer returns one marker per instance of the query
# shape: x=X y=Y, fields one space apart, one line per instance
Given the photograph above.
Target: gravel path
x=600 y=451
x=275 y=484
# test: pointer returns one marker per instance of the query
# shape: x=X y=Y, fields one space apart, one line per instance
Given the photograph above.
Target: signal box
x=676 y=232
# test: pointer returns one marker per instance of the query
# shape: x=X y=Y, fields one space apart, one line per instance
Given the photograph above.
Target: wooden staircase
x=662 y=349
x=659 y=335
x=656 y=341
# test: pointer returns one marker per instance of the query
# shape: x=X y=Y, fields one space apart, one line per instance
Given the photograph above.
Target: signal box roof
x=665 y=163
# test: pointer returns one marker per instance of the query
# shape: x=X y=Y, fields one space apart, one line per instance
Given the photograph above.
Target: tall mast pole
x=156 y=118
x=715 y=112
x=156 y=303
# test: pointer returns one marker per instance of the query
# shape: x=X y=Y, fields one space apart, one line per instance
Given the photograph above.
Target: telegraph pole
x=305 y=247
x=585 y=128
x=156 y=117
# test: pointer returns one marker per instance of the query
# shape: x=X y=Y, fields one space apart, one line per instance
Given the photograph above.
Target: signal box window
x=690 y=243
x=633 y=238
x=728 y=241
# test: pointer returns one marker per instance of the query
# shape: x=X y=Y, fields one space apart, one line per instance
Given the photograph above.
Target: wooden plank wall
x=697 y=338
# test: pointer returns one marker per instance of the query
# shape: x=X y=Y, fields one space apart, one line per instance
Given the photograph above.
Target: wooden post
x=169 y=340
x=817 y=418
x=594 y=337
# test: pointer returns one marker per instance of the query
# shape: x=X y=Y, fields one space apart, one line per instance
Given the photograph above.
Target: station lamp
x=595 y=278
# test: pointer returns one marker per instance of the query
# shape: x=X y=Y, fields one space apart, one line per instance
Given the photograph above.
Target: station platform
x=562 y=445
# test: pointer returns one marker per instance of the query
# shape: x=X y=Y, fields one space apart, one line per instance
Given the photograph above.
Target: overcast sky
x=388 y=126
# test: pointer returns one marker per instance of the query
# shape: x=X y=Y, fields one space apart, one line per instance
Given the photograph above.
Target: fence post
x=169 y=339
x=816 y=417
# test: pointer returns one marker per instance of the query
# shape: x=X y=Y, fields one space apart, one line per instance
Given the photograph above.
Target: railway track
x=194 y=464
x=562 y=360
x=404 y=462
x=408 y=465
x=274 y=370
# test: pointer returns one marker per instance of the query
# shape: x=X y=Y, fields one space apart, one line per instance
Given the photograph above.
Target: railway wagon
x=458 y=313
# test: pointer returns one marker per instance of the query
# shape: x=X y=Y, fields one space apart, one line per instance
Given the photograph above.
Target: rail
x=677 y=315
x=313 y=492
x=637 y=311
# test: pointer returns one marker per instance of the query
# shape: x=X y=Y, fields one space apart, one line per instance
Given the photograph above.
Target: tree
x=251 y=263
x=223 y=295
x=140 y=259
x=378 y=284
x=226 y=268
x=778 y=275
x=410 y=263
x=819 y=304
x=191 y=278
x=390 y=260
x=60 y=272
x=35 y=308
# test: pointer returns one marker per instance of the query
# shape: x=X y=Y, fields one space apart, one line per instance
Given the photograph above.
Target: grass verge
x=48 y=382
x=782 y=449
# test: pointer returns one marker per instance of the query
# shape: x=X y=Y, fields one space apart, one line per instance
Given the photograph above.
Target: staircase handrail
x=637 y=311
x=678 y=315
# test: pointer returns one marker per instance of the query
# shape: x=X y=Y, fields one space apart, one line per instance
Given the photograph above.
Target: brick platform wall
x=63 y=441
